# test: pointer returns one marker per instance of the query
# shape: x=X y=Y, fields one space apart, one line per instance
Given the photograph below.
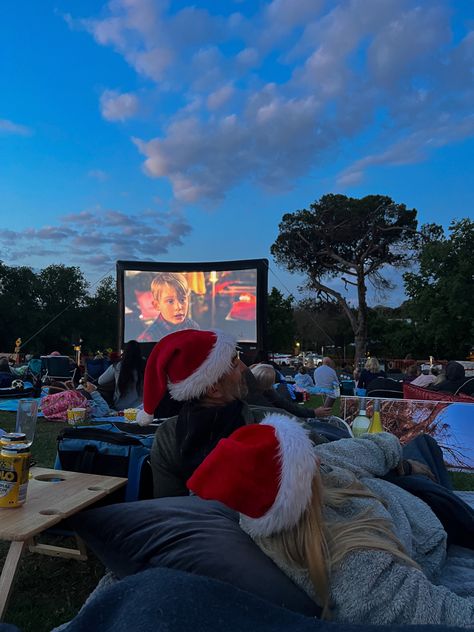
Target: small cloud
x=219 y=97
x=97 y=174
x=116 y=106
x=9 y=127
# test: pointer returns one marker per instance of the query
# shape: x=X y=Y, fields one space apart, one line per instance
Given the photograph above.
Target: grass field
x=50 y=591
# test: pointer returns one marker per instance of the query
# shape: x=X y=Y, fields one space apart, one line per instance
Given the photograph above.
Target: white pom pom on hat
x=187 y=363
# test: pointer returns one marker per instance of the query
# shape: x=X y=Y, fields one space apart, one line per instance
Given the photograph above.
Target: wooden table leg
x=9 y=570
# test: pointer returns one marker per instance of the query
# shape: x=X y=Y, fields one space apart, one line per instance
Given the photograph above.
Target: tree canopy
x=281 y=323
x=349 y=239
x=441 y=292
x=54 y=308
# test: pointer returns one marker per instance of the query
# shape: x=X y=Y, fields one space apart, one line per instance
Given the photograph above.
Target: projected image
x=158 y=303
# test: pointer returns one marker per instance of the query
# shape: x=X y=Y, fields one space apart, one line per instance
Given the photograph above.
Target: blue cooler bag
x=113 y=449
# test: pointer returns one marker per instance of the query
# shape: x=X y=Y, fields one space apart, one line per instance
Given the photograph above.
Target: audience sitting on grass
x=202 y=371
x=325 y=375
x=265 y=376
x=370 y=371
x=127 y=377
x=303 y=379
x=411 y=373
x=428 y=376
x=97 y=405
x=454 y=381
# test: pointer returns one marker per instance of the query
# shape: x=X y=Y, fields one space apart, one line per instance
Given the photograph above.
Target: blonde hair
x=264 y=375
x=175 y=279
x=319 y=545
x=372 y=365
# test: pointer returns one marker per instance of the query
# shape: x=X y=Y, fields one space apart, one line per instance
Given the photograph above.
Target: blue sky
x=155 y=130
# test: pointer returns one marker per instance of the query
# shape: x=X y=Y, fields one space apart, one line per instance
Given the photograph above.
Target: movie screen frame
x=259 y=265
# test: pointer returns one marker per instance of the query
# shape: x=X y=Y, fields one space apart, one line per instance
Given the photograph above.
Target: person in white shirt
x=426 y=378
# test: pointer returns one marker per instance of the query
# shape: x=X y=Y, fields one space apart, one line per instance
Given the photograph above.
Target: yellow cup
x=130 y=414
x=79 y=414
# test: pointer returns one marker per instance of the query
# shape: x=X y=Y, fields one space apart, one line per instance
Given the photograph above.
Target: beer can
x=12 y=437
x=14 y=474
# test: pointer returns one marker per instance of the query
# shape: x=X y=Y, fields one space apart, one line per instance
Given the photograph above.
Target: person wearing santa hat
x=362 y=547
x=202 y=369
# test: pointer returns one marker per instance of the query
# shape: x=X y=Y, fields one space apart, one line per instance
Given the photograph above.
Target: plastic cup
x=26 y=416
x=79 y=414
x=130 y=414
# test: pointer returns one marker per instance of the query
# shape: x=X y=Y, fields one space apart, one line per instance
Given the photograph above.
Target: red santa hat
x=264 y=471
x=187 y=362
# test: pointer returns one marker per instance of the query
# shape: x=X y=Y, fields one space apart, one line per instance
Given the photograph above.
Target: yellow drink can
x=14 y=474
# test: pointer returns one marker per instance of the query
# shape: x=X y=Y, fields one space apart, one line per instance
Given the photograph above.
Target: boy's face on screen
x=173 y=308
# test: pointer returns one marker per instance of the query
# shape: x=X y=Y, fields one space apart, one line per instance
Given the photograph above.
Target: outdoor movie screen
x=158 y=302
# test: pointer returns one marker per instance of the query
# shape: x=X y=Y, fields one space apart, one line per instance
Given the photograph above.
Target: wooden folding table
x=52 y=496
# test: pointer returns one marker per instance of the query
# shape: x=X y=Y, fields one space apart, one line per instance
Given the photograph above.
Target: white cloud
x=98 y=174
x=270 y=97
x=115 y=106
x=9 y=127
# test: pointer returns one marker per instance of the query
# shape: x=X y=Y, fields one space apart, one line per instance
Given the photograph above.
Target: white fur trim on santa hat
x=217 y=363
x=143 y=418
x=298 y=465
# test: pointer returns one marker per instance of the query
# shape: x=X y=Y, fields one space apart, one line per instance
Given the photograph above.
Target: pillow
x=187 y=534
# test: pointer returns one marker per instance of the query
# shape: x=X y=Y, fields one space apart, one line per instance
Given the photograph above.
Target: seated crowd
x=335 y=514
x=332 y=514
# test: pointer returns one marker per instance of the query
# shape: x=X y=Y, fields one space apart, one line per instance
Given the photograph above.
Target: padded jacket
x=370 y=586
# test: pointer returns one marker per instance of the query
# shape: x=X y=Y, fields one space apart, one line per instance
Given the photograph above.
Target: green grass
x=50 y=591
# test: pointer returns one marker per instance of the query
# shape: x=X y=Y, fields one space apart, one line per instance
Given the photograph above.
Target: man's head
x=328 y=362
x=192 y=365
x=171 y=296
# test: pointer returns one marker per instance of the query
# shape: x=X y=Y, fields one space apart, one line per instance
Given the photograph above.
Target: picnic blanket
x=11 y=405
x=166 y=600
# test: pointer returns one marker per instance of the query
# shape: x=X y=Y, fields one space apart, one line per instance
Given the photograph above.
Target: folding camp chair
x=57 y=369
x=95 y=368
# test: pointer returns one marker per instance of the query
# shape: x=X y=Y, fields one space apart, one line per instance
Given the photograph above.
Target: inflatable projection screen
x=158 y=298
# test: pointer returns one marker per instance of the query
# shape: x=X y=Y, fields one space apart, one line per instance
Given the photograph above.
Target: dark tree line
x=55 y=309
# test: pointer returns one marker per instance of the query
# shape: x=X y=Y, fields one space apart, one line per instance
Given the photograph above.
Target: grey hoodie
x=372 y=586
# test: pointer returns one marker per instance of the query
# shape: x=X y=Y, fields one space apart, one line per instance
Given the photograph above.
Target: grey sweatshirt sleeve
x=373 y=587
x=369 y=455
x=107 y=376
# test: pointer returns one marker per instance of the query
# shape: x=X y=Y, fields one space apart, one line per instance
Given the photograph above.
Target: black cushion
x=187 y=534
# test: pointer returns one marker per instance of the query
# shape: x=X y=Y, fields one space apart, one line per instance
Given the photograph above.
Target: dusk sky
x=169 y=131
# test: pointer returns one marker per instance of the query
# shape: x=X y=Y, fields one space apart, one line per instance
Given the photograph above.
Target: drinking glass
x=26 y=416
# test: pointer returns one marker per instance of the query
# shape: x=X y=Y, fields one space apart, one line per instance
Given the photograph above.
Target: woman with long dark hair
x=128 y=377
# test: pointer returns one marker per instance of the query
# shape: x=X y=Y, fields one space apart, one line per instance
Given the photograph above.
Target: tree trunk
x=360 y=347
x=360 y=337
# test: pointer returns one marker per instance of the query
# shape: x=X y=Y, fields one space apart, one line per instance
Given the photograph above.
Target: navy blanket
x=165 y=600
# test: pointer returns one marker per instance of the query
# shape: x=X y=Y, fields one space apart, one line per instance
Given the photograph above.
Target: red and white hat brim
x=214 y=367
x=298 y=466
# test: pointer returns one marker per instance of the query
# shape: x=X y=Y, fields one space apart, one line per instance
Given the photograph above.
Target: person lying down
x=363 y=548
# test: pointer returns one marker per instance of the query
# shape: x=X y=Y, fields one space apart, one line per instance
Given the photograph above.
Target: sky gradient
x=155 y=130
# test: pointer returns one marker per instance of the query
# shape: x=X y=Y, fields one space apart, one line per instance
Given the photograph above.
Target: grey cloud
x=116 y=106
x=119 y=236
x=9 y=127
